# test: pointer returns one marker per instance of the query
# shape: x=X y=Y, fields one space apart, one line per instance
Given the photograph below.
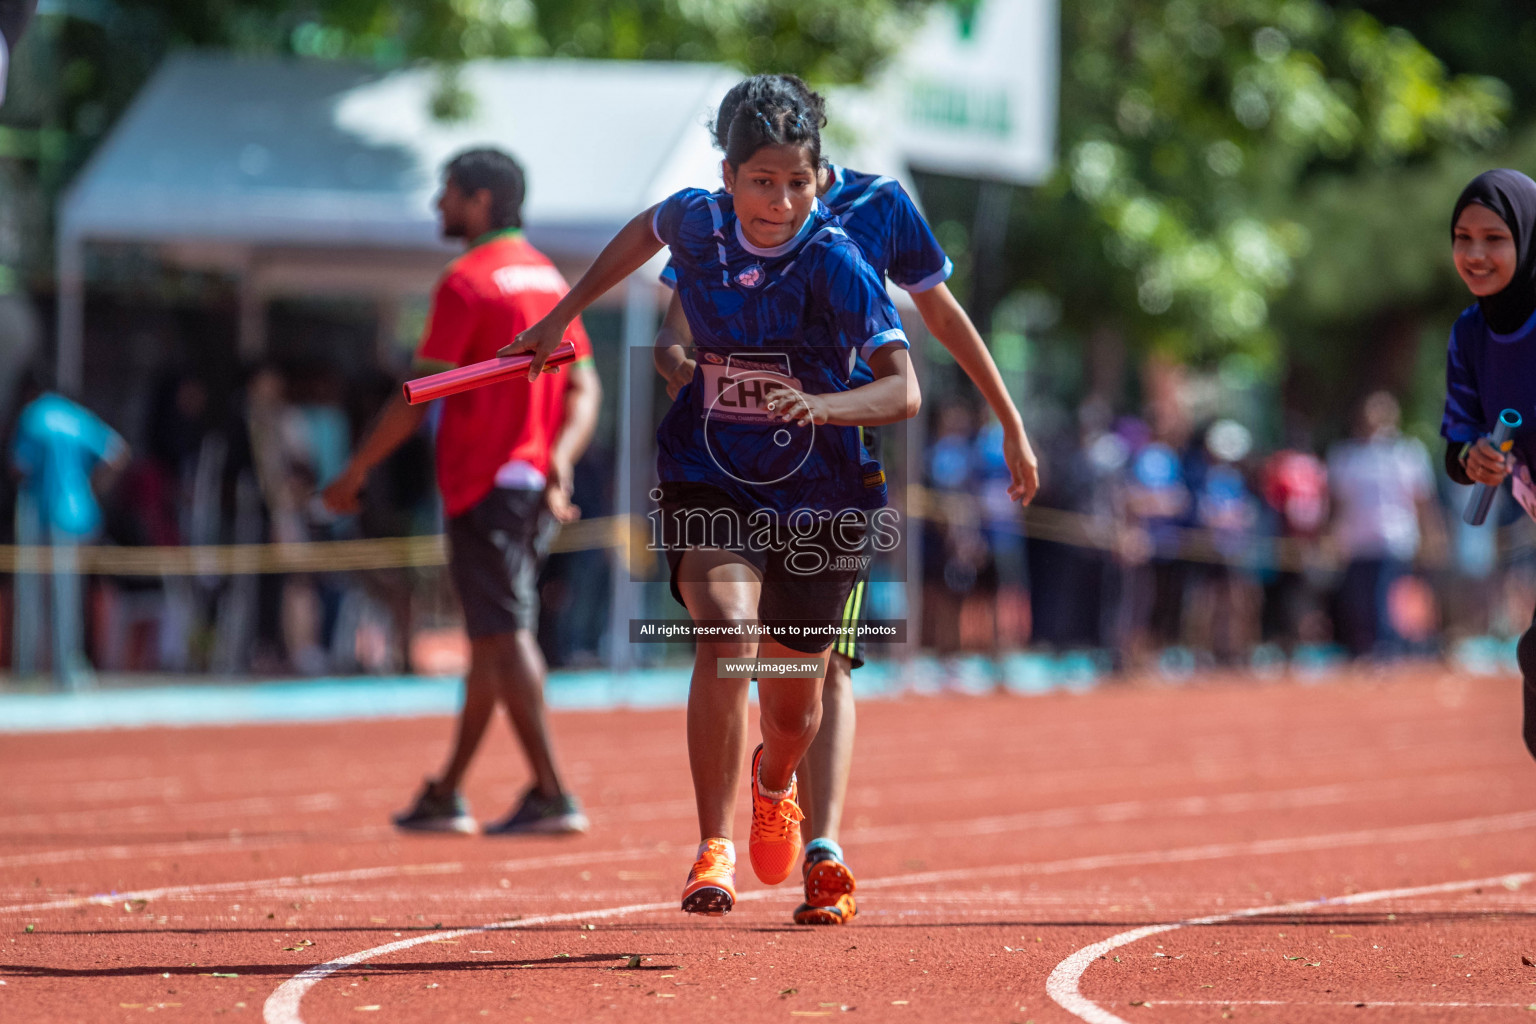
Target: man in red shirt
x=505 y=454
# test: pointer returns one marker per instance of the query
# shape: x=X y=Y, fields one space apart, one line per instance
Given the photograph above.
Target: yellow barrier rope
x=609 y=532
x=312 y=556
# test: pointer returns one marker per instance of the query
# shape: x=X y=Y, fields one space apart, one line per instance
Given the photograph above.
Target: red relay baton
x=475 y=375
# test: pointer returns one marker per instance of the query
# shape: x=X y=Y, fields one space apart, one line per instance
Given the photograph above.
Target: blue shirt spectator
x=58 y=445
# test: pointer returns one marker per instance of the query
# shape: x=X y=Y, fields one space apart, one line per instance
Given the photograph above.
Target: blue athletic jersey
x=796 y=316
x=878 y=214
x=1486 y=373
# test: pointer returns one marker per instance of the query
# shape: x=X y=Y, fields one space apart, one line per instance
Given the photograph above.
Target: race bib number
x=739 y=390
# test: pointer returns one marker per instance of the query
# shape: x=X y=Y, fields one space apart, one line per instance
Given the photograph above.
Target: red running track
x=1138 y=853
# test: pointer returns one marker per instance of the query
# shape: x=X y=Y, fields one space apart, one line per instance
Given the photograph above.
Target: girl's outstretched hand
x=1023 y=467
x=541 y=339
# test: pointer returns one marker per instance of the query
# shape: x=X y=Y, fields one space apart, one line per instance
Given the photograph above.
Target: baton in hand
x=1502 y=438
x=475 y=375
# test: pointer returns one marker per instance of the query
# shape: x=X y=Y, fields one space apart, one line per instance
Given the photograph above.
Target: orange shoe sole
x=709 y=900
x=841 y=912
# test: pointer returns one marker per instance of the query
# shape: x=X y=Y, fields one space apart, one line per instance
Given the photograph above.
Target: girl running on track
x=1491 y=365
x=765 y=488
x=878 y=214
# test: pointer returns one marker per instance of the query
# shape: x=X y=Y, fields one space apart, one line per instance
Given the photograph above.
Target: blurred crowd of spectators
x=212 y=468
x=1155 y=541
x=1163 y=543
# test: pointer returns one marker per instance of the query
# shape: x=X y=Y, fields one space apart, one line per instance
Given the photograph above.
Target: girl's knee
x=792 y=723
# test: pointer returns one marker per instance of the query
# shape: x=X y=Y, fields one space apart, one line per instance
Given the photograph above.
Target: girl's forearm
x=947 y=321
x=879 y=402
x=672 y=340
x=626 y=253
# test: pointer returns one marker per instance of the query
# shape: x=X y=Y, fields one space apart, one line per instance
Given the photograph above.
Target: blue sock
x=820 y=849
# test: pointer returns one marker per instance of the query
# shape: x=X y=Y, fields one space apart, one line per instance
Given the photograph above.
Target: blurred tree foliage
x=1496 y=37
x=1196 y=140
x=84 y=60
x=100 y=51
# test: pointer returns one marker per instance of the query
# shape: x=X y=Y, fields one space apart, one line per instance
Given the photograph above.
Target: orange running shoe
x=711 y=888
x=774 y=844
x=829 y=889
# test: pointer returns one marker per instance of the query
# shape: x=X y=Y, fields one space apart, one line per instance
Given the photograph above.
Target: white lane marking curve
x=1063 y=983
x=282 y=1006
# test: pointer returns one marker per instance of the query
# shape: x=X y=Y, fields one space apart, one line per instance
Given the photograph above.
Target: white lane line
x=355 y=875
x=1063 y=817
x=1262 y=847
x=282 y=1007
x=1367 y=1004
x=247 y=807
x=1182 y=807
x=1217 y=851
x=1063 y=983
x=302 y=803
x=352 y=875
x=127 y=851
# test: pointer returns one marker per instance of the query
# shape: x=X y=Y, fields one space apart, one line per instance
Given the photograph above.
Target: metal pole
x=988 y=239
x=251 y=329
x=69 y=356
x=631 y=446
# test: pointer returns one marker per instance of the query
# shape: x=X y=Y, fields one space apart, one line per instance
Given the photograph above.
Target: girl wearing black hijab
x=14 y=15
x=1491 y=365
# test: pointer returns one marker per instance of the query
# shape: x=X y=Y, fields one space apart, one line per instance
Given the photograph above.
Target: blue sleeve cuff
x=933 y=280
x=894 y=336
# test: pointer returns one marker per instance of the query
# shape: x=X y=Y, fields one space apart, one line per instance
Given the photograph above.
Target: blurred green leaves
x=1192 y=130
x=81 y=64
x=824 y=42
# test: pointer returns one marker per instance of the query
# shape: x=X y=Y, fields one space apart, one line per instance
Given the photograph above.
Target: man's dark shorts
x=813 y=603
x=495 y=550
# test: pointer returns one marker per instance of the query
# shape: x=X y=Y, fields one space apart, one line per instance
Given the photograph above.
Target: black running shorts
x=805 y=583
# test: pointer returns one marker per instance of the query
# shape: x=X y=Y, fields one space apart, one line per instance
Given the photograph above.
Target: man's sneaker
x=711 y=887
x=435 y=811
x=542 y=816
x=774 y=844
x=829 y=889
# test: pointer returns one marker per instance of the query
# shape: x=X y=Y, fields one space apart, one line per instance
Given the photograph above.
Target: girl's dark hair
x=497 y=173
x=769 y=110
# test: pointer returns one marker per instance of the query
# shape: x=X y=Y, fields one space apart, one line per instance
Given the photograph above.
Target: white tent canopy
x=311 y=176
x=287 y=151
x=249 y=164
